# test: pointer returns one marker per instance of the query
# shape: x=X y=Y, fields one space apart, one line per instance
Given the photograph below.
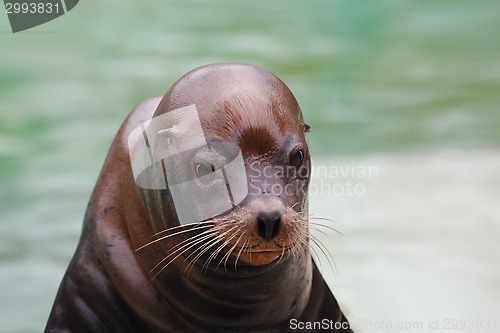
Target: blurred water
x=410 y=87
x=420 y=239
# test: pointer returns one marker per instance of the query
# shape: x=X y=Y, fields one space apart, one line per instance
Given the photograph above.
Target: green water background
x=372 y=77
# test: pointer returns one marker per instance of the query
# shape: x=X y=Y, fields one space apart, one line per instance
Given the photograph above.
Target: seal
x=198 y=221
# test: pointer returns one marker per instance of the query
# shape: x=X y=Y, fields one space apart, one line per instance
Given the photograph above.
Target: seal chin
x=260 y=258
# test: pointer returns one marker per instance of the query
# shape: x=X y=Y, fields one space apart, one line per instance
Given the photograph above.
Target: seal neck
x=249 y=296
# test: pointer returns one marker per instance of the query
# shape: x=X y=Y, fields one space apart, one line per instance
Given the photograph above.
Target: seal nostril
x=268 y=224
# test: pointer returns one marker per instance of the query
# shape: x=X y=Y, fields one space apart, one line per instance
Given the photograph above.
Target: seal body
x=246 y=268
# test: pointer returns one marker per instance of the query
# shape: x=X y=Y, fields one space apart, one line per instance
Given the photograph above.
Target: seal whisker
x=203 y=249
x=316 y=242
x=325 y=226
x=201 y=224
x=208 y=222
x=301 y=238
x=217 y=237
x=189 y=239
x=224 y=244
x=282 y=253
x=227 y=242
x=170 y=235
x=189 y=246
x=314 y=253
x=239 y=253
x=304 y=245
x=319 y=230
x=231 y=250
x=296 y=250
x=310 y=217
x=315 y=228
x=191 y=242
x=216 y=252
x=325 y=252
x=214 y=255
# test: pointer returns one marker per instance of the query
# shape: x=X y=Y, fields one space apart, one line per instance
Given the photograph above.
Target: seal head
x=155 y=257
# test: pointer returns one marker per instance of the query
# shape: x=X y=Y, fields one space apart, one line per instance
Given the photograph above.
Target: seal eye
x=297 y=159
x=203 y=169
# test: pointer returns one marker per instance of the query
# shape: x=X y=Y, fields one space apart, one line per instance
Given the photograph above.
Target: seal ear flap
x=307 y=128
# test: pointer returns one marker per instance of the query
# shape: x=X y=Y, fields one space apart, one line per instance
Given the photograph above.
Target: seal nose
x=268 y=224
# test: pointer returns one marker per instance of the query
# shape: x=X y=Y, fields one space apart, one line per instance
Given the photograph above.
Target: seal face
x=199 y=221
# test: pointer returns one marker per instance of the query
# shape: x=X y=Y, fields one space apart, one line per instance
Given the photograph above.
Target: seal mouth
x=255 y=249
x=265 y=251
x=261 y=254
